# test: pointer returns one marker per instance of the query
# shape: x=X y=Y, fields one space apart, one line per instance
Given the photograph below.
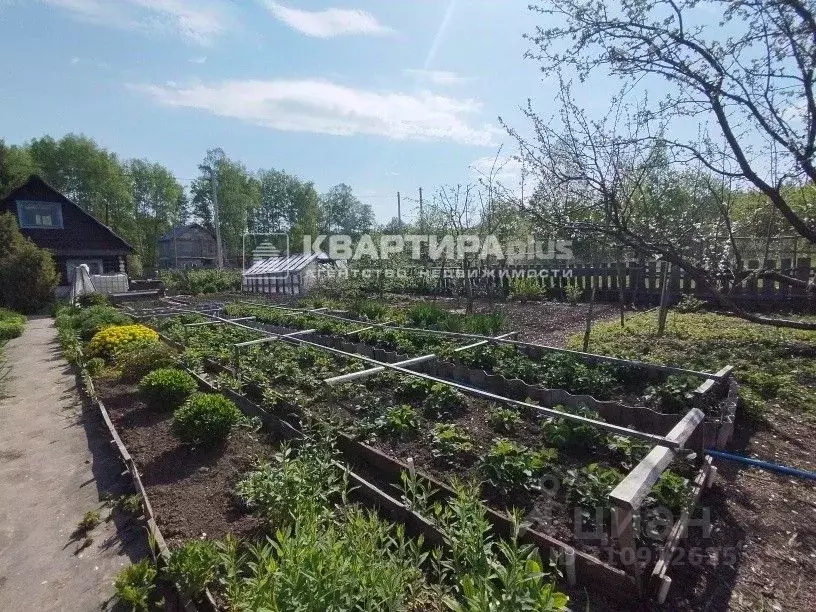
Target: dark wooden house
x=187 y=246
x=73 y=236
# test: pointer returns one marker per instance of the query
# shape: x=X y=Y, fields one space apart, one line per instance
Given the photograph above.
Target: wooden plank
x=634 y=488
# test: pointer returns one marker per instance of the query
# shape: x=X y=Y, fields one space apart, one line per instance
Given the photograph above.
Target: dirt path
x=55 y=465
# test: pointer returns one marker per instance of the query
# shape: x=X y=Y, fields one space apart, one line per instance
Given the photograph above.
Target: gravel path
x=55 y=465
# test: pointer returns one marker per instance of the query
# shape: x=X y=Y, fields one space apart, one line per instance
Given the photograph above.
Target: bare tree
x=756 y=89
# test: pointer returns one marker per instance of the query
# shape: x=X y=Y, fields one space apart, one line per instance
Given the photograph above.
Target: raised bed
x=391 y=467
x=159 y=548
x=712 y=394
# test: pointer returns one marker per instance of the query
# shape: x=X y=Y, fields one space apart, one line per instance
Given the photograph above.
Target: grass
x=773 y=365
x=11 y=326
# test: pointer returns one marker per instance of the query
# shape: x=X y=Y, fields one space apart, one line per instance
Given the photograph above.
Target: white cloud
x=199 y=60
x=74 y=61
x=329 y=22
x=437 y=77
x=197 y=22
x=327 y=108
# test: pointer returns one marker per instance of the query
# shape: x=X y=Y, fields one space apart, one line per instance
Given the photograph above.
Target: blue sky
x=383 y=95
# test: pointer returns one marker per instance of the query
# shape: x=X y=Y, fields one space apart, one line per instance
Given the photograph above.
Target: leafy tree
x=239 y=195
x=90 y=176
x=343 y=213
x=287 y=204
x=16 y=165
x=158 y=200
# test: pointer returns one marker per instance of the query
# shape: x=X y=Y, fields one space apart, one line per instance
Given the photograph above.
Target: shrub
x=589 y=488
x=11 y=324
x=167 y=388
x=503 y=420
x=511 y=467
x=449 y=442
x=205 y=418
x=95 y=366
x=93 y=299
x=28 y=275
x=525 y=289
x=87 y=322
x=443 y=402
x=201 y=281
x=137 y=361
x=293 y=484
x=192 y=567
x=134 y=585
x=573 y=293
x=113 y=340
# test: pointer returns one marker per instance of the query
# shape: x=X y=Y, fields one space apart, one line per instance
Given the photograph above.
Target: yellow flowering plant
x=113 y=340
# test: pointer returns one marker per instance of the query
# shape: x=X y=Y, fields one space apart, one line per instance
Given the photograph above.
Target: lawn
x=774 y=366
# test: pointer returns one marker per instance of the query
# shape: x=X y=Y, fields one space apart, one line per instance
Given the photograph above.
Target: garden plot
x=448 y=434
x=650 y=397
x=211 y=477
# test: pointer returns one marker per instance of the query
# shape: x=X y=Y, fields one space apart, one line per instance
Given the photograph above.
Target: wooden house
x=73 y=236
x=187 y=246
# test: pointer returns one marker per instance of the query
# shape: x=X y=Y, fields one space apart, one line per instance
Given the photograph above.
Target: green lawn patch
x=11 y=324
x=772 y=364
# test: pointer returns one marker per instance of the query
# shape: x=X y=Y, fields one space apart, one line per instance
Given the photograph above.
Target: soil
x=761 y=554
x=189 y=489
x=762 y=551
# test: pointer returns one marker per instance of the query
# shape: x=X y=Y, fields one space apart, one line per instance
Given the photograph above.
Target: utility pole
x=421 y=217
x=399 y=211
x=218 y=248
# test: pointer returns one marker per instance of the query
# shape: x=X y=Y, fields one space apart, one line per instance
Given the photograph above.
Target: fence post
x=664 y=301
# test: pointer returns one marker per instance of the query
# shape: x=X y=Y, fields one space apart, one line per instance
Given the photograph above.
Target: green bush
x=28 y=275
x=95 y=366
x=201 y=281
x=134 y=585
x=142 y=359
x=11 y=324
x=399 y=421
x=573 y=293
x=87 y=322
x=167 y=388
x=205 y=419
x=93 y=299
x=525 y=290
x=192 y=567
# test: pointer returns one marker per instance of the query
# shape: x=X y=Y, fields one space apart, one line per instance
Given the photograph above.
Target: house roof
x=90 y=233
x=292 y=263
x=180 y=230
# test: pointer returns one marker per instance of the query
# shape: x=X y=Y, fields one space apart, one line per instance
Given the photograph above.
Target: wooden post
x=664 y=301
x=621 y=299
x=627 y=497
x=589 y=318
x=236 y=362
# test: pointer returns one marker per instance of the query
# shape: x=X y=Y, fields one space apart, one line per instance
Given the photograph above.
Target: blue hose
x=771 y=467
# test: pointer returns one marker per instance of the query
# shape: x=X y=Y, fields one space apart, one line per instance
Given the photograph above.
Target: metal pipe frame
x=616 y=429
x=438 y=332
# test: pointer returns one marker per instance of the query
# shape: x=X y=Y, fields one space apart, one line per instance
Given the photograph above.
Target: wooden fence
x=642 y=282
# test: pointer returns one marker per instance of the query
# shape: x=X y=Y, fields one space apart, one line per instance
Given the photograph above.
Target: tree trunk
x=589 y=318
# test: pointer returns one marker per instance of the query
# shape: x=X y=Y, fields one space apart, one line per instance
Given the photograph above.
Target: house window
x=39 y=215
